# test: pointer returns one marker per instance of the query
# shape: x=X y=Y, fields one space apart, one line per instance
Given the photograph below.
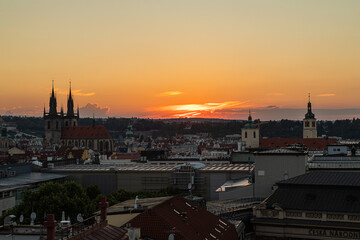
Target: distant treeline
x=117 y=127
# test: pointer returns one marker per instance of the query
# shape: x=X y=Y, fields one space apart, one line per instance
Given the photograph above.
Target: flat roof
x=27 y=179
x=213 y=167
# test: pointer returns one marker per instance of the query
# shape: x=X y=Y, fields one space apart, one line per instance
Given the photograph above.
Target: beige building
x=276 y=165
x=250 y=134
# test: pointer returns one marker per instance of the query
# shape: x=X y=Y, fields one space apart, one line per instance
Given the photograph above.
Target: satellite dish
x=21 y=218
x=132 y=234
x=32 y=216
x=79 y=218
x=171 y=237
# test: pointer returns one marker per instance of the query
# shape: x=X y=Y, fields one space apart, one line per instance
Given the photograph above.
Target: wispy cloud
x=217 y=109
x=326 y=95
x=170 y=93
x=75 y=92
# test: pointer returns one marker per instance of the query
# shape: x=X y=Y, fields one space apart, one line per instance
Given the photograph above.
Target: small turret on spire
x=249 y=118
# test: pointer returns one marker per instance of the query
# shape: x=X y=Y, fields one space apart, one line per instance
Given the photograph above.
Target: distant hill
x=347 y=129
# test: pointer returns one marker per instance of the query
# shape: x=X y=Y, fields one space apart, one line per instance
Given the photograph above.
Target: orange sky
x=190 y=58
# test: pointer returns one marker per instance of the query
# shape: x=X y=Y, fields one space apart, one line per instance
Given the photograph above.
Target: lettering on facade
x=334 y=233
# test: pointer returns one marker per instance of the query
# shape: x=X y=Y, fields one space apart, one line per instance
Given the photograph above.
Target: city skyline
x=161 y=59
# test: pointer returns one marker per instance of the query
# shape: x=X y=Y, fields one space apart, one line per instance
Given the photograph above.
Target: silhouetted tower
x=309 y=123
x=53 y=121
x=71 y=119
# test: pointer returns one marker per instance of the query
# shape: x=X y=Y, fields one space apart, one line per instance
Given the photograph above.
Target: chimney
x=50 y=224
x=103 y=206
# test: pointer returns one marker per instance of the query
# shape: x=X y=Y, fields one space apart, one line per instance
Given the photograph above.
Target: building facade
x=318 y=205
x=55 y=121
x=250 y=134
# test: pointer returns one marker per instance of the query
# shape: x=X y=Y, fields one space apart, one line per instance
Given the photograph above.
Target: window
x=313 y=124
x=307 y=124
x=245 y=134
x=74 y=124
x=66 y=123
x=48 y=124
x=254 y=134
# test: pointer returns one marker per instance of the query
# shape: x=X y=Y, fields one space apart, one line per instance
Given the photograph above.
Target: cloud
x=75 y=92
x=326 y=95
x=170 y=93
x=204 y=110
x=89 y=109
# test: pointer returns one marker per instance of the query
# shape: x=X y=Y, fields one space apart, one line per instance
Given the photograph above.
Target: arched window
x=313 y=124
x=66 y=123
x=307 y=124
x=107 y=146
x=254 y=134
x=245 y=134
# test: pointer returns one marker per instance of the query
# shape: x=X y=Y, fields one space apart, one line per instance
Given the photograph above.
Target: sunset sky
x=182 y=58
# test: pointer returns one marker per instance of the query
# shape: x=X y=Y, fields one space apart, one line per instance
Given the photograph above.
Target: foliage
x=54 y=198
x=347 y=129
x=123 y=195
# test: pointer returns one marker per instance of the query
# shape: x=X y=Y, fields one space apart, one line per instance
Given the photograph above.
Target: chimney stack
x=103 y=205
x=50 y=224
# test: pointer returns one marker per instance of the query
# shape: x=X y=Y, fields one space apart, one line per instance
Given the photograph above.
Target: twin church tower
x=55 y=121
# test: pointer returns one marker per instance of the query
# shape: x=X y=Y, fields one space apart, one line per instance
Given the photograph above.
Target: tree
x=54 y=198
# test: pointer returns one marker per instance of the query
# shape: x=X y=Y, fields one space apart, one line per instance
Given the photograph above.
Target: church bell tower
x=309 y=123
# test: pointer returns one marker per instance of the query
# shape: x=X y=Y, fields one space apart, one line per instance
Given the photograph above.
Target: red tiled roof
x=102 y=231
x=84 y=132
x=184 y=219
x=108 y=233
x=311 y=143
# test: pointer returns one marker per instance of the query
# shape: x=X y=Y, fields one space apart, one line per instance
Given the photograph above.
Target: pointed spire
x=309 y=114
x=70 y=103
x=44 y=110
x=53 y=91
x=249 y=118
x=52 y=104
x=70 y=89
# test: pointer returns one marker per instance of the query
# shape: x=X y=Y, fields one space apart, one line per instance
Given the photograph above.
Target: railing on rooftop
x=77 y=228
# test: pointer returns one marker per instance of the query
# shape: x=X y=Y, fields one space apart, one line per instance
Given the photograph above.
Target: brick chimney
x=50 y=224
x=103 y=205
